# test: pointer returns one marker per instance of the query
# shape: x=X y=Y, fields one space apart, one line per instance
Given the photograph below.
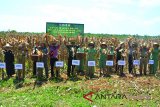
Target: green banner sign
x=68 y=29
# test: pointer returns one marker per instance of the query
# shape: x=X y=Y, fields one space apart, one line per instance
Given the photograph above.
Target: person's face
x=7 y=48
x=155 y=47
x=122 y=45
x=53 y=44
x=91 y=46
x=103 y=46
x=81 y=46
x=36 y=44
x=72 y=43
x=42 y=45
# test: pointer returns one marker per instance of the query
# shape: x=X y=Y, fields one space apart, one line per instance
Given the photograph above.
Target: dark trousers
x=130 y=63
x=70 y=69
x=10 y=68
x=52 y=64
x=143 y=65
x=45 y=59
x=34 y=68
x=119 y=68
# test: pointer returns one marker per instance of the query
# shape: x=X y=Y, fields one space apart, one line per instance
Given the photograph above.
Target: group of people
x=49 y=48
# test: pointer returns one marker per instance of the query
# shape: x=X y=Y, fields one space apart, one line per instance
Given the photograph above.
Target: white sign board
x=75 y=62
x=136 y=62
x=109 y=63
x=39 y=64
x=121 y=62
x=91 y=63
x=151 y=62
x=2 y=65
x=59 y=63
x=18 y=66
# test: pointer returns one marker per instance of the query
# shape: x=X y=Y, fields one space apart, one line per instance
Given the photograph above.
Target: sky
x=98 y=16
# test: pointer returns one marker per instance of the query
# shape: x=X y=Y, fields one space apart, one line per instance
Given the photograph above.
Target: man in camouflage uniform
x=143 y=58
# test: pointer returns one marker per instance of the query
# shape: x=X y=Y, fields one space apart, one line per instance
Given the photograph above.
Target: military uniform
x=110 y=57
x=103 y=58
x=143 y=59
x=119 y=56
x=91 y=56
x=81 y=51
x=154 y=56
x=21 y=57
x=44 y=51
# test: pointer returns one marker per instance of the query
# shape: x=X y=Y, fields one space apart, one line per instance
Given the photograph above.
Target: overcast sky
x=99 y=16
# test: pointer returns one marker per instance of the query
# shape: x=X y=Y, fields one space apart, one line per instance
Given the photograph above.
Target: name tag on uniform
x=18 y=66
x=121 y=62
x=91 y=63
x=109 y=63
x=2 y=65
x=39 y=64
x=136 y=62
x=59 y=63
x=75 y=62
x=151 y=62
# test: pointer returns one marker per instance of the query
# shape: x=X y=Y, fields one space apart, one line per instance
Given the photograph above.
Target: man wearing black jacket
x=72 y=49
x=9 y=60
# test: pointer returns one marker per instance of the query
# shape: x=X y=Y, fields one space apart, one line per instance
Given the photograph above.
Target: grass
x=70 y=93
